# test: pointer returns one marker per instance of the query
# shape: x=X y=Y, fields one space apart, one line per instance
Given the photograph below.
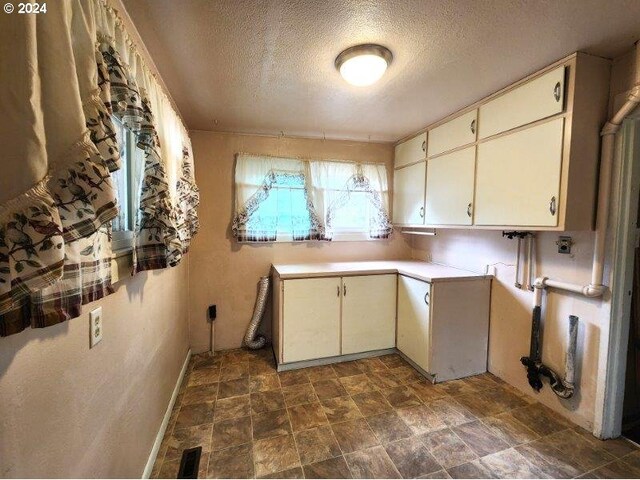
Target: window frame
x=122 y=241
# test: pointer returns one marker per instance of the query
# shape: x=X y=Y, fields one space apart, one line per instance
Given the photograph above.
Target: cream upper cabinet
x=539 y=98
x=311 y=318
x=408 y=194
x=455 y=133
x=413 y=320
x=518 y=177
x=445 y=205
x=411 y=151
x=368 y=313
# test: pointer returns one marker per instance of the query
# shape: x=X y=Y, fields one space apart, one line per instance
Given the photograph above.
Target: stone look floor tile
x=576 y=448
x=411 y=458
x=356 y=384
x=267 y=401
x=447 y=448
x=291 y=473
x=428 y=392
x=401 y=396
x=316 y=444
x=510 y=464
x=322 y=372
x=293 y=377
x=270 y=424
x=331 y=468
x=263 y=383
x=196 y=414
x=354 y=435
x=232 y=407
x=276 y=454
x=480 y=439
x=506 y=427
x=389 y=427
x=540 y=419
x=329 y=388
x=550 y=460
x=231 y=432
x=304 y=417
x=340 y=409
x=299 y=394
x=233 y=388
x=234 y=462
x=231 y=402
x=393 y=360
x=346 y=369
x=371 y=463
x=200 y=394
x=421 y=419
x=204 y=376
x=474 y=469
x=190 y=437
x=372 y=403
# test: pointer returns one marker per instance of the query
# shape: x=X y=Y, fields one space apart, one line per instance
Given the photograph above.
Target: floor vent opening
x=190 y=463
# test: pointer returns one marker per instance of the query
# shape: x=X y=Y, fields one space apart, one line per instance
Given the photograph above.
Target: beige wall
x=226 y=273
x=510 y=327
x=67 y=411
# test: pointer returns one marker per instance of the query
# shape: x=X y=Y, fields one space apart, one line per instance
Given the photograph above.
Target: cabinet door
x=455 y=133
x=411 y=151
x=368 y=313
x=537 y=99
x=311 y=319
x=450 y=181
x=408 y=194
x=518 y=177
x=413 y=320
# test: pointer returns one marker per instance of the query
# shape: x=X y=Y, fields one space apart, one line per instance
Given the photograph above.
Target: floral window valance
x=64 y=75
x=315 y=192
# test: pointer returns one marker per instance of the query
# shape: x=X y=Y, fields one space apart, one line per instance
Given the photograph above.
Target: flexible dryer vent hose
x=252 y=339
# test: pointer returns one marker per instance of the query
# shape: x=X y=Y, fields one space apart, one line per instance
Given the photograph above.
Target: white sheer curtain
x=328 y=186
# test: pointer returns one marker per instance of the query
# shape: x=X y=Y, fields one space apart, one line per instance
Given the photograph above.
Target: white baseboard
x=165 y=421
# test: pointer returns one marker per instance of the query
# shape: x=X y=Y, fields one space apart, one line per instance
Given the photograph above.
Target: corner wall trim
x=165 y=421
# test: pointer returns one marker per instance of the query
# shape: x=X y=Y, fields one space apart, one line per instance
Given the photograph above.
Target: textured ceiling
x=266 y=66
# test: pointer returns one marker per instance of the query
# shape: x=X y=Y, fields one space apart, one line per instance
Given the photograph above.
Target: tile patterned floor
x=372 y=418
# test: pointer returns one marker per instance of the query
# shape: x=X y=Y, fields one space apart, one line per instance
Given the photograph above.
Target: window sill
x=121 y=265
x=337 y=237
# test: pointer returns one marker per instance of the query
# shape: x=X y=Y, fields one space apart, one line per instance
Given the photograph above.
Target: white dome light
x=363 y=65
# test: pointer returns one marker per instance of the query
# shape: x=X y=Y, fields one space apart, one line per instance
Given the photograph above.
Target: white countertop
x=428 y=272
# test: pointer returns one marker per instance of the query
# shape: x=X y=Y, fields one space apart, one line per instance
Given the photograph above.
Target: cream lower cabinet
x=311 y=318
x=368 y=313
x=443 y=328
x=328 y=317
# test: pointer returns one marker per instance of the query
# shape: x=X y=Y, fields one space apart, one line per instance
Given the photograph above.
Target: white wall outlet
x=428 y=258
x=95 y=322
x=490 y=270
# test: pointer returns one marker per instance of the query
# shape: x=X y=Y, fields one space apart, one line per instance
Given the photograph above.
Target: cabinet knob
x=344 y=289
x=338 y=290
x=469 y=210
x=552 y=206
x=473 y=126
x=421 y=212
x=556 y=91
x=424 y=146
x=426 y=297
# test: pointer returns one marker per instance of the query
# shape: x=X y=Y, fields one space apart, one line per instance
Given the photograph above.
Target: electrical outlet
x=490 y=270
x=95 y=322
x=428 y=258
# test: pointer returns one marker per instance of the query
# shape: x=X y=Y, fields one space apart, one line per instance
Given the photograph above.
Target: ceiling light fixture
x=363 y=65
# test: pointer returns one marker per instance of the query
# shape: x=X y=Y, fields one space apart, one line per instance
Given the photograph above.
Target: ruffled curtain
x=255 y=176
x=327 y=188
x=64 y=74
